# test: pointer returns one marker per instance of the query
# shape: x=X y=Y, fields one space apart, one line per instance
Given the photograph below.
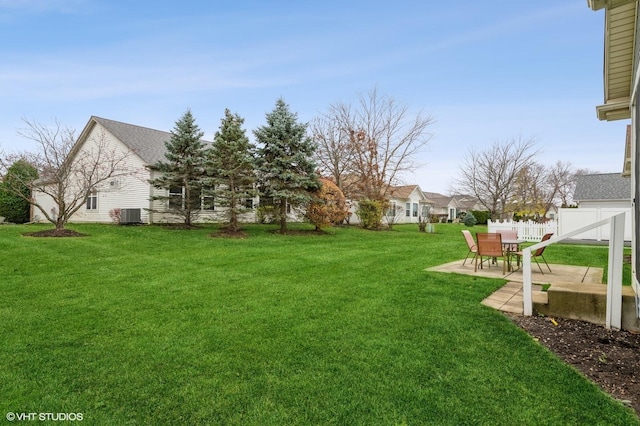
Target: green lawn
x=149 y=325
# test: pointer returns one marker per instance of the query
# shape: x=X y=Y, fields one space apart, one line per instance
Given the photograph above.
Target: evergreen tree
x=231 y=167
x=15 y=191
x=183 y=171
x=287 y=171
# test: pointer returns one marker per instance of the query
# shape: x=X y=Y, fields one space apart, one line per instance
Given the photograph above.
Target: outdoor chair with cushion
x=539 y=253
x=471 y=244
x=490 y=246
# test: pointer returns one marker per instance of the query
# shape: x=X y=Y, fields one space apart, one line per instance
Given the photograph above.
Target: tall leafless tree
x=490 y=175
x=562 y=177
x=535 y=191
x=370 y=145
x=68 y=172
x=334 y=154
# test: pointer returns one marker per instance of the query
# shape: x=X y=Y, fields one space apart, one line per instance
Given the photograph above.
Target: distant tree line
x=361 y=150
x=509 y=181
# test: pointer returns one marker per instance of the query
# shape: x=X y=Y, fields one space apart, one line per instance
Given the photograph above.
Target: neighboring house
x=598 y=197
x=408 y=202
x=132 y=192
x=451 y=208
x=605 y=190
x=439 y=205
x=621 y=91
x=460 y=204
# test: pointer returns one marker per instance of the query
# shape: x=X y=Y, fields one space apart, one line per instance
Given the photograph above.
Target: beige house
x=132 y=191
x=407 y=204
x=449 y=208
x=621 y=91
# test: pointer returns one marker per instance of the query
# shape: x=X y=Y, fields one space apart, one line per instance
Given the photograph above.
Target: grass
x=584 y=255
x=149 y=325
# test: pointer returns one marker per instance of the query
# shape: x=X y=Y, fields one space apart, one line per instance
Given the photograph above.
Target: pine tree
x=183 y=171
x=287 y=171
x=231 y=167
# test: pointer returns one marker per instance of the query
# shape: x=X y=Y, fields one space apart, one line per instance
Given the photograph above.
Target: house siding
x=129 y=191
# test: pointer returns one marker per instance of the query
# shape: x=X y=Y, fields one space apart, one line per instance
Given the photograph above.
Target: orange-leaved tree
x=328 y=206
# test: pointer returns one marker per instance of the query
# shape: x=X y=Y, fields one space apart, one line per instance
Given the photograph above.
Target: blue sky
x=485 y=71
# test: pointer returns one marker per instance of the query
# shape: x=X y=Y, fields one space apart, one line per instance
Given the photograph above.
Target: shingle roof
x=466 y=202
x=606 y=186
x=438 y=200
x=147 y=143
x=403 y=191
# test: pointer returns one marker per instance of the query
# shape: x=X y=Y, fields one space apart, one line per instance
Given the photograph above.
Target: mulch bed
x=225 y=233
x=609 y=358
x=56 y=233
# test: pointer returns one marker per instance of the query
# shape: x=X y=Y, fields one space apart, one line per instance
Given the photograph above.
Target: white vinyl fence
x=527 y=230
x=571 y=219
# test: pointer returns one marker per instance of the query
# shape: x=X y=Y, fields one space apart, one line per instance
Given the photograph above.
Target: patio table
x=508 y=246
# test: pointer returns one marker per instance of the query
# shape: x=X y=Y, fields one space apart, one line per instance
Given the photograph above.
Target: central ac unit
x=130 y=216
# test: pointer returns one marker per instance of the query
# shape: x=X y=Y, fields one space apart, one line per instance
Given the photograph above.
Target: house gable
x=148 y=144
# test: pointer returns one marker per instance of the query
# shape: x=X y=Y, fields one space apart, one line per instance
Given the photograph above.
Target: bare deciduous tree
x=490 y=175
x=562 y=177
x=68 y=172
x=534 y=191
x=334 y=153
x=371 y=145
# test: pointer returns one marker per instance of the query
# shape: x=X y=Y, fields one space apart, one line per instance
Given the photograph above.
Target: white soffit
x=620 y=22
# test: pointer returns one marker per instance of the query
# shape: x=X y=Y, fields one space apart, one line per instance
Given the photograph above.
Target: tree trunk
x=233 y=215
x=283 y=216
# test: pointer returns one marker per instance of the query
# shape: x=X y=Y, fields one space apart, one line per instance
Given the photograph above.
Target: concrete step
x=585 y=302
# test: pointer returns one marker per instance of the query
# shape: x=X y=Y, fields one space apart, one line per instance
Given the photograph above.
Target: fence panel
x=572 y=219
x=527 y=230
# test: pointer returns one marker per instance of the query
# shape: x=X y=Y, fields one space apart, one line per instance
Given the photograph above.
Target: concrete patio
x=509 y=297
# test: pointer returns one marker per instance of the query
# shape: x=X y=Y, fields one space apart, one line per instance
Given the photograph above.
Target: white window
x=175 y=197
x=407 y=210
x=208 y=201
x=415 y=209
x=92 y=201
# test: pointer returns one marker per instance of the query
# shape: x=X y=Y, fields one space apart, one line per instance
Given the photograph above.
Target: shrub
x=14 y=192
x=328 y=205
x=267 y=213
x=115 y=215
x=370 y=213
x=481 y=216
x=469 y=219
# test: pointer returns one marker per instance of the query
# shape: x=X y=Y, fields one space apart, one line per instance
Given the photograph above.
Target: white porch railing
x=614 y=278
x=527 y=230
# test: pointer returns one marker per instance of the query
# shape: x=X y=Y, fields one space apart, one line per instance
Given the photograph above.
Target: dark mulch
x=226 y=233
x=179 y=226
x=57 y=233
x=610 y=358
x=301 y=232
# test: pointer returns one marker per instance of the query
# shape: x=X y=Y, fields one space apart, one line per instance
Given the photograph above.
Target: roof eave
x=614 y=110
x=619 y=50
